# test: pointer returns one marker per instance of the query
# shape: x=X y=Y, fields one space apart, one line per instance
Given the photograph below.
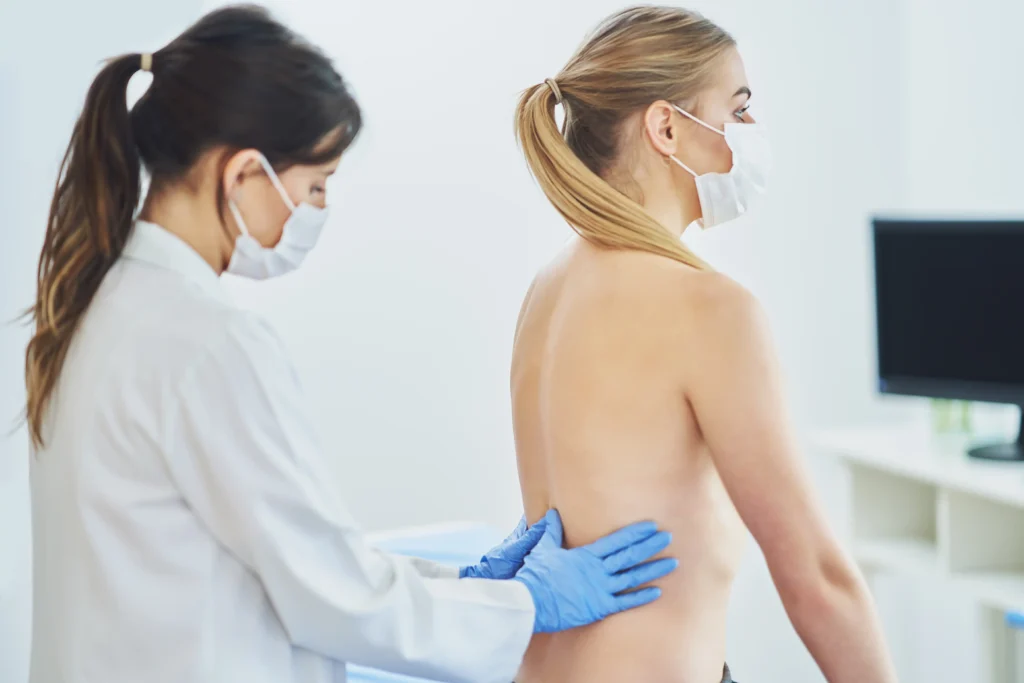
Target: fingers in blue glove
x=618 y=541
x=552 y=522
x=576 y=587
x=525 y=543
x=637 y=553
x=640 y=598
x=541 y=524
x=503 y=561
x=520 y=528
x=645 y=573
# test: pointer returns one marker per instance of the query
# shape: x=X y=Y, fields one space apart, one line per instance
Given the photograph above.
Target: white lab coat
x=183 y=528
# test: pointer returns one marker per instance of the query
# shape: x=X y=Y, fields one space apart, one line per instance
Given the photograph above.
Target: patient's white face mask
x=726 y=196
x=301 y=231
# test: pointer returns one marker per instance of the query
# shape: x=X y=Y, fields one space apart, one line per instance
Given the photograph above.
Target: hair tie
x=555 y=89
x=146 y=62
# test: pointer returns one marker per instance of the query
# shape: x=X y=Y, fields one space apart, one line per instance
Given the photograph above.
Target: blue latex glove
x=577 y=587
x=504 y=561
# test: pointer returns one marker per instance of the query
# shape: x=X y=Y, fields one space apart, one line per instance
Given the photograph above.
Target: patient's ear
x=661 y=129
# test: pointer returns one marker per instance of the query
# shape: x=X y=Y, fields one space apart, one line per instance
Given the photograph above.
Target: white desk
x=919 y=507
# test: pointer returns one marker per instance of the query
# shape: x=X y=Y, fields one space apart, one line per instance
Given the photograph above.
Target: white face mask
x=301 y=231
x=725 y=196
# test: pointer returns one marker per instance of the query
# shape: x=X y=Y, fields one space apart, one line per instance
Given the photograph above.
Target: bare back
x=605 y=435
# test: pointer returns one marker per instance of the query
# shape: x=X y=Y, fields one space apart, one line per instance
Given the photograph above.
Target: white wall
x=14 y=518
x=14 y=525
x=45 y=68
x=964 y=143
x=414 y=290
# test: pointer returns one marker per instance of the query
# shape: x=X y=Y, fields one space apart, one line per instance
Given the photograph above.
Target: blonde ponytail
x=634 y=58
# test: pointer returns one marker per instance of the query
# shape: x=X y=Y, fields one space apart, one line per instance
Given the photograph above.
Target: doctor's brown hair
x=633 y=59
x=236 y=79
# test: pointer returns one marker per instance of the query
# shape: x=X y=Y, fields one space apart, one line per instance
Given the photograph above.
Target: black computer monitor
x=949 y=303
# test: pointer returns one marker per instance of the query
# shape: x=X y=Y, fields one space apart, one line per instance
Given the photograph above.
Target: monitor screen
x=950 y=308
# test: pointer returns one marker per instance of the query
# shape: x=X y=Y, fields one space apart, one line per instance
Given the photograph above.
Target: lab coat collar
x=152 y=244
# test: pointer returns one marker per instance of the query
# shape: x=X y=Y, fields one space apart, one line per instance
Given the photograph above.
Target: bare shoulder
x=716 y=298
x=656 y=297
x=716 y=315
x=535 y=289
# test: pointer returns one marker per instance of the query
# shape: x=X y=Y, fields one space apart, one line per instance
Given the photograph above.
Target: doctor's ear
x=239 y=167
x=661 y=126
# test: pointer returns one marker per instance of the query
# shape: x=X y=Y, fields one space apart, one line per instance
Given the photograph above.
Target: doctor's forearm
x=394 y=619
x=433 y=570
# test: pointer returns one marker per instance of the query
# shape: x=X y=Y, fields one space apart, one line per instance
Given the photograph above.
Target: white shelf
x=914 y=453
x=911 y=556
x=919 y=507
x=917 y=558
x=1003 y=591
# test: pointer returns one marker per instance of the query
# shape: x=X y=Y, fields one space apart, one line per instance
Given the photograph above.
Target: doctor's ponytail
x=236 y=79
x=98 y=189
x=633 y=59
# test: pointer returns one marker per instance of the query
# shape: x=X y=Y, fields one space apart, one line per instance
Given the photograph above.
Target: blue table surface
x=455 y=548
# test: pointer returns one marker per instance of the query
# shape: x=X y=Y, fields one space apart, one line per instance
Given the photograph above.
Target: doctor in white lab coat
x=182 y=528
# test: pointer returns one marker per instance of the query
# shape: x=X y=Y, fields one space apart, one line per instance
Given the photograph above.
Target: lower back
x=604 y=435
x=681 y=637
x=651 y=644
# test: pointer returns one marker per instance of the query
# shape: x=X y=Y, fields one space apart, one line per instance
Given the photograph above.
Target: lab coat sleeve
x=241 y=449
x=433 y=570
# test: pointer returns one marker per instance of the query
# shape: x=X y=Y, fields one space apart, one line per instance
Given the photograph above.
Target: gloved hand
x=505 y=560
x=577 y=587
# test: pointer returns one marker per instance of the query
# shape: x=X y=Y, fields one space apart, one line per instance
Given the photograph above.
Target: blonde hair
x=634 y=58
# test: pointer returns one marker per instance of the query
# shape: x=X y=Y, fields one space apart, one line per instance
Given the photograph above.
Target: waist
x=670 y=641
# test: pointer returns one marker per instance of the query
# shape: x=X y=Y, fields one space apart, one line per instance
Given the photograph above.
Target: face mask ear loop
x=684 y=166
x=233 y=208
x=696 y=120
x=276 y=182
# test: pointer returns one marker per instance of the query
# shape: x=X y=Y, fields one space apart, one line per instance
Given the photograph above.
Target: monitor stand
x=1006 y=452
